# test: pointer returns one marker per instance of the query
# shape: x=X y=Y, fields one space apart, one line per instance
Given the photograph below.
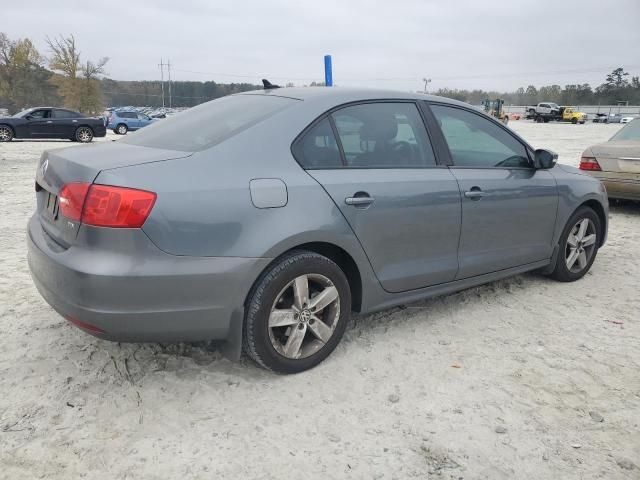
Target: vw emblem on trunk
x=44 y=167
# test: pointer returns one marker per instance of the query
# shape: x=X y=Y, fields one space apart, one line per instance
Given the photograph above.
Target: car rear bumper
x=618 y=186
x=146 y=295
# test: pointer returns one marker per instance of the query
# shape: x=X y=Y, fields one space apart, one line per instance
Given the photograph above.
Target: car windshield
x=210 y=123
x=630 y=132
x=23 y=113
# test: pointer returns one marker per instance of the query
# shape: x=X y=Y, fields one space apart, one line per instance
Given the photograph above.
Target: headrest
x=383 y=127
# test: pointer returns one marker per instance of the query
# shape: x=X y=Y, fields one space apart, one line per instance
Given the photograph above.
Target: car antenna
x=268 y=85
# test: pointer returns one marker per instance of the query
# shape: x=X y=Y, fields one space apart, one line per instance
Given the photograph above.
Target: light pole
x=426 y=82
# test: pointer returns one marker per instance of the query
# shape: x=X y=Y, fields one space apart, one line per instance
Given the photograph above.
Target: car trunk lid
x=620 y=156
x=82 y=164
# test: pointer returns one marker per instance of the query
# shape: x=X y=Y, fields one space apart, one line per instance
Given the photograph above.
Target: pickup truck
x=545 y=108
x=545 y=112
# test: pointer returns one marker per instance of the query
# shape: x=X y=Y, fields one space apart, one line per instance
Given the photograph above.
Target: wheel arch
x=11 y=127
x=597 y=207
x=333 y=252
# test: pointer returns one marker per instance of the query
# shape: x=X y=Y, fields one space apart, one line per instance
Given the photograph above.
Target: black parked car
x=46 y=122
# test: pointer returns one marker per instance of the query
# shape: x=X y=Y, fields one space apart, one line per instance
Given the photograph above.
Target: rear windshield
x=631 y=131
x=208 y=124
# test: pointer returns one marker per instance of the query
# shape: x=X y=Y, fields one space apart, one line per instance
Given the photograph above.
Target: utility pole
x=169 y=71
x=426 y=82
x=162 y=65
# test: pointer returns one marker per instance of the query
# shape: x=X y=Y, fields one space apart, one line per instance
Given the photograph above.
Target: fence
x=633 y=110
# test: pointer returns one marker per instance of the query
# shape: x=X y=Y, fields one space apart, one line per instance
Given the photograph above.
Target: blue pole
x=328 y=74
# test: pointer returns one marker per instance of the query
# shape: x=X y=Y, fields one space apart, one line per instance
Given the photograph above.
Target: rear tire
x=290 y=325
x=6 y=133
x=121 y=129
x=578 y=249
x=574 y=121
x=84 y=135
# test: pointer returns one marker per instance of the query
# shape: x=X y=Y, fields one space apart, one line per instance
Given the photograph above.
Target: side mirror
x=544 y=159
x=29 y=117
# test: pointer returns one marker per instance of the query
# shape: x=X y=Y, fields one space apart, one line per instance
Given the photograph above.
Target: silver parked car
x=265 y=218
x=617 y=162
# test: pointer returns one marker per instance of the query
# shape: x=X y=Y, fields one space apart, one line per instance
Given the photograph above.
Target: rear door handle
x=359 y=201
x=475 y=193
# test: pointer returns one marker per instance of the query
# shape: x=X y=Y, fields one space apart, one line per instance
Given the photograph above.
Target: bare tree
x=78 y=82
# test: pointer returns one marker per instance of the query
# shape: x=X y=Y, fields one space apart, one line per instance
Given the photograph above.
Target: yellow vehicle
x=568 y=115
x=494 y=108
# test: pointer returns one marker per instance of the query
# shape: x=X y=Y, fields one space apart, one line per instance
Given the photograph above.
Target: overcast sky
x=490 y=44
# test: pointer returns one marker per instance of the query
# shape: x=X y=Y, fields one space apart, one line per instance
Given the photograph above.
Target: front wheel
x=6 y=133
x=297 y=313
x=84 y=135
x=579 y=245
x=574 y=121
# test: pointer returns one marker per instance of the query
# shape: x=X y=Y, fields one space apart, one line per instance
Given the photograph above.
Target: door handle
x=49 y=121
x=359 y=201
x=475 y=193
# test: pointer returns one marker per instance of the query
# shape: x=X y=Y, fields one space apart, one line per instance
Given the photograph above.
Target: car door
x=65 y=122
x=508 y=207
x=380 y=170
x=143 y=120
x=39 y=123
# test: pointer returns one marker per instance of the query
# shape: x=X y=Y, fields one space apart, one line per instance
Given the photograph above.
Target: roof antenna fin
x=268 y=85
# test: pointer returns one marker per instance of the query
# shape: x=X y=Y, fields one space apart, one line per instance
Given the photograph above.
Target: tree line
x=64 y=78
x=618 y=86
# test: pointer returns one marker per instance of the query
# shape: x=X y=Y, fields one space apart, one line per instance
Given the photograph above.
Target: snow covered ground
x=523 y=378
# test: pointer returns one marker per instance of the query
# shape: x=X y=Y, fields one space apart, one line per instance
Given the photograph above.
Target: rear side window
x=475 y=141
x=630 y=132
x=384 y=135
x=208 y=124
x=65 y=114
x=318 y=147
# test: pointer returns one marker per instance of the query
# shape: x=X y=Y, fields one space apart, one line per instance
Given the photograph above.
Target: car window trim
x=527 y=147
x=328 y=113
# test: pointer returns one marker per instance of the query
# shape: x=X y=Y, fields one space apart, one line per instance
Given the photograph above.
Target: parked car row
x=612 y=118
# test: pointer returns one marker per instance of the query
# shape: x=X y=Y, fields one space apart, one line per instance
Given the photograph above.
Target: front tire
x=578 y=245
x=296 y=313
x=6 y=133
x=574 y=121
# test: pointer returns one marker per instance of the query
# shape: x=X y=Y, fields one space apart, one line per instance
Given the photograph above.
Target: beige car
x=617 y=162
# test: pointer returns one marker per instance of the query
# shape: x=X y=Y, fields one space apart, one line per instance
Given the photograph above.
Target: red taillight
x=106 y=206
x=71 y=199
x=589 y=163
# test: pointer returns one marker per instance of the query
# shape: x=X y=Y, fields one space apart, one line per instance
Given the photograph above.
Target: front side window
x=383 y=135
x=475 y=141
x=38 y=114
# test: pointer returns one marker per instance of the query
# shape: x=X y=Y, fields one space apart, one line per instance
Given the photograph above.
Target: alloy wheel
x=581 y=244
x=304 y=316
x=84 y=135
x=5 y=134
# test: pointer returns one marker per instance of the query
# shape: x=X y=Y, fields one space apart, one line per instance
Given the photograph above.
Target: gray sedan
x=617 y=162
x=266 y=218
